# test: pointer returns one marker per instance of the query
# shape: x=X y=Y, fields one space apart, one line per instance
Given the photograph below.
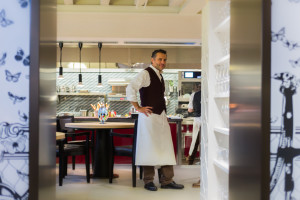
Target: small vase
x=102 y=114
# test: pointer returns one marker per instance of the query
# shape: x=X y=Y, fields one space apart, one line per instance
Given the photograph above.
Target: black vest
x=197 y=104
x=153 y=95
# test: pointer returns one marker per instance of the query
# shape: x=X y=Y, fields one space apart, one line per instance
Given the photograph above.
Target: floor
x=75 y=186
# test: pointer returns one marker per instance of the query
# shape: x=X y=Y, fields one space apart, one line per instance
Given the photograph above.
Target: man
x=195 y=106
x=154 y=146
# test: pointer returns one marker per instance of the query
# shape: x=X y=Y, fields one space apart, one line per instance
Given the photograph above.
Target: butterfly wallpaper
x=285 y=98
x=14 y=102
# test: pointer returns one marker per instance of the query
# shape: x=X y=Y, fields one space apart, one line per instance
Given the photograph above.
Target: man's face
x=160 y=61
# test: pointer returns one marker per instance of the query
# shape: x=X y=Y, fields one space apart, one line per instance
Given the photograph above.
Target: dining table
x=102 y=144
x=60 y=136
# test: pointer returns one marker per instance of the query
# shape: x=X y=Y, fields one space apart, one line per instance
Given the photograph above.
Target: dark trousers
x=166 y=174
x=192 y=157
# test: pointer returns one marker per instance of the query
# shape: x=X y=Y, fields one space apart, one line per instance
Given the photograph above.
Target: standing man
x=195 y=106
x=154 y=147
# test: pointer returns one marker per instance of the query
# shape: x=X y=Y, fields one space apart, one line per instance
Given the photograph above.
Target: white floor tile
x=75 y=186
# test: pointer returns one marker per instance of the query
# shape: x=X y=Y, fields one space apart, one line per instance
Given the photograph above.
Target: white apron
x=196 y=128
x=154 y=146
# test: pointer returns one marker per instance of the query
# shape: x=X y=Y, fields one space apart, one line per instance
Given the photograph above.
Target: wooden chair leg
x=133 y=175
x=111 y=168
x=87 y=165
x=61 y=163
x=141 y=172
x=159 y=174
x=60 y=171
x=65 y=166
x=93 y=149
x=73 y=162
x=93 y=156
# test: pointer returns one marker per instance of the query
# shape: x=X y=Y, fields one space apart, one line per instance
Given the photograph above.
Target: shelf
x=116 y=100
x=224 y=131
x=221 y=96
x=81 y=94
x=223 y=59
x=224 y=26
x=182 y=99
x=221 y=165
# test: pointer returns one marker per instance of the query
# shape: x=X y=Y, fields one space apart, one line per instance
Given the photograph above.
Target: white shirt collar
x=156 y=70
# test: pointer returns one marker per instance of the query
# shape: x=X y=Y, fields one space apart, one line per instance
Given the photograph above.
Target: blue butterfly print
x=295 y=63
x=279 y=35
x=10 y=77
x=19 y=57
x=20 y=54
x=2 y=59
x=26 y=61
x=15 y=98
x=23 y=116
x=3 y=21
x=23 y=3
x=290 y=45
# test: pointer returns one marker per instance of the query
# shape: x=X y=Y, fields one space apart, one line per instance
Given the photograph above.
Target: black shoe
x=150 y=186
x=172 y=185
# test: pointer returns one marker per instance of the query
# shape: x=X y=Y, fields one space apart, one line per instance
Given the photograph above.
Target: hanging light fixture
x=80 y=84
x=99 y=76
x=60 y=76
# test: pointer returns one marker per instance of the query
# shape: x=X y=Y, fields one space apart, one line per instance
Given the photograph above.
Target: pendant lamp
x=99 y=76
x=80 y=84
x=60 y=76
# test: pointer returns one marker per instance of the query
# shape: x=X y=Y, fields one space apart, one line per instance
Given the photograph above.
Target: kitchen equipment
x=73 y=88
x=91 y=113
x=184 y=105
x=83 y=113
x=83 y=91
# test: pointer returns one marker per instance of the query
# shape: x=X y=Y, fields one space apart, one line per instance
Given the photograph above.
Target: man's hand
x=146 y=110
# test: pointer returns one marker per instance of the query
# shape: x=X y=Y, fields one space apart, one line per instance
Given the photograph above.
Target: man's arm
x=146 y=110
x=190 y=106
x=190 y=110
x=141 y=80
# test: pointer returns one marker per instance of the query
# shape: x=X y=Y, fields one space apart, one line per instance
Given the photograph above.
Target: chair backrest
x=62 y=122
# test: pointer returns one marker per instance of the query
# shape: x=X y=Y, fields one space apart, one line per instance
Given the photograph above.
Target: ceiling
x=138 y=6
x=139 y=25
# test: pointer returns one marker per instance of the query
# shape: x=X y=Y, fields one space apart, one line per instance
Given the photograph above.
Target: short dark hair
x=158 y=51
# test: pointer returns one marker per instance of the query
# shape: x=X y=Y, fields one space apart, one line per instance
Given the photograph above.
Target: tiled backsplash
x=73 y=103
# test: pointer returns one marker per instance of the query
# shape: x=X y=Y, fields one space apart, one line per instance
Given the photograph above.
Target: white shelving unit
x=222 y=165
x=224 y=131
x=215 y=88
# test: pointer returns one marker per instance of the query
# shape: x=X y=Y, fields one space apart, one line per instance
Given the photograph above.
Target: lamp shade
x=80 y=84
x=60 y=75
x=99 y=76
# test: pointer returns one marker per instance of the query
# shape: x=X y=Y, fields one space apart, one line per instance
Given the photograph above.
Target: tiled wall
x=68 y=103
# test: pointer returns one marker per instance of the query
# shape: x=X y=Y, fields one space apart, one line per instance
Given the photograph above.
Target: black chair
x=128 y=150
x=70 y=133
x=64 y=150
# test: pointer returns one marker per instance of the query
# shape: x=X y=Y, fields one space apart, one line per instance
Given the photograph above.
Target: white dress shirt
x=190 y=106
x=141 y=80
